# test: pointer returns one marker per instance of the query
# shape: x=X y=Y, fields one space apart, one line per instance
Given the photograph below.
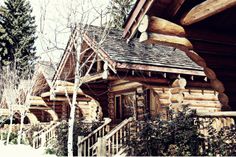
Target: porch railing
x=86 y=144
x=218 y=120
x=45 y=137
x=114 y=143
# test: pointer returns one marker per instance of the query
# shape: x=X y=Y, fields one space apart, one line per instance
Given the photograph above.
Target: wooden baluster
x=125 y=134
x=113 y=145
x=121 y=137
x=89 y=147
x=117 y=138
x=224 y=122
x=109 y=147
x=85 y=148
x=96 y=137
x=103 y=132
x=80 y=145
x=91 y=140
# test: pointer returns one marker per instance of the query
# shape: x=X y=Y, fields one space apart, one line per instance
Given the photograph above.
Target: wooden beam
x=129 y=85
x=206 y=9
x=39 y=108
x=169 y=40
x=90 y=78
x=159 y=69
x=158 y=25
x=138 y=79
x=61 y=98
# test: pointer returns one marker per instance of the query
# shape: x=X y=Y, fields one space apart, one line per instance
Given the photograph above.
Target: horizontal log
x=176 y=98
x=169 y=40
x=204 y=109
x=217 y=114
x=165 y=102
x=65 y=99
x=131 y=85
x=158 y=25
x=205 y=10
x=200 y=96
x=206 y=104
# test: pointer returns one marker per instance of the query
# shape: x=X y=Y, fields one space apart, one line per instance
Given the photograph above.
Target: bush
x=12 y=139
x=179 y=136
x=80 y=129
x=30 y=132
x=50 y=151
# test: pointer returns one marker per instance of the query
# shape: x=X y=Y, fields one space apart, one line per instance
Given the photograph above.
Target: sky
x=53 y=18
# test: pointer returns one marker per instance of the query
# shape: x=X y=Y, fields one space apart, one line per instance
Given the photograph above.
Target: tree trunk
x=74 y=103
x=21 y=127
x=10 y=128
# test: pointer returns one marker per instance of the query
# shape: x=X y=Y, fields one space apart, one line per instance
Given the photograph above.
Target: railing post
x=80 y=147
x=101 y=147
x=43 y=139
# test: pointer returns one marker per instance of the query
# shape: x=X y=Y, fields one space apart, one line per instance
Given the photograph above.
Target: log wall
x=162 y=97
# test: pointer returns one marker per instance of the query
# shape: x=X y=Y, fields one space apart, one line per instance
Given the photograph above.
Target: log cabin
x=135 y=79
x=203 y=29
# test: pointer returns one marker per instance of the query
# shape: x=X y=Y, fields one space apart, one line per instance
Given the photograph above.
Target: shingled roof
x=139 y=53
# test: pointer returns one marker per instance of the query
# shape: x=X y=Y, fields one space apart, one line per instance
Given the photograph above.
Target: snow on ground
x=21 y=151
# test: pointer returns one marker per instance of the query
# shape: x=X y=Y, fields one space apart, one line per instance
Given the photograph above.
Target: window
x=125 y=104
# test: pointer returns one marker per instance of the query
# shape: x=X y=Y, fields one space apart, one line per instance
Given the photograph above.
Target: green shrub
x=12 y=139
x=30 y=133
x=50 y=151
x=179 y=135
x=80 y=129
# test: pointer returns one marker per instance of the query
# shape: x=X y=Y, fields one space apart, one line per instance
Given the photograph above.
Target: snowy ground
x=21 y=151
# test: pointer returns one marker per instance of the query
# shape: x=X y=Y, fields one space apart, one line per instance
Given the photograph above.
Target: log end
x=143 y=37
x=143 y=26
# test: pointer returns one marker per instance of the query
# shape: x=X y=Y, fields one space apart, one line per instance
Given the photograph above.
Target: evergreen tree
x=120 y=10
x=17 y=35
